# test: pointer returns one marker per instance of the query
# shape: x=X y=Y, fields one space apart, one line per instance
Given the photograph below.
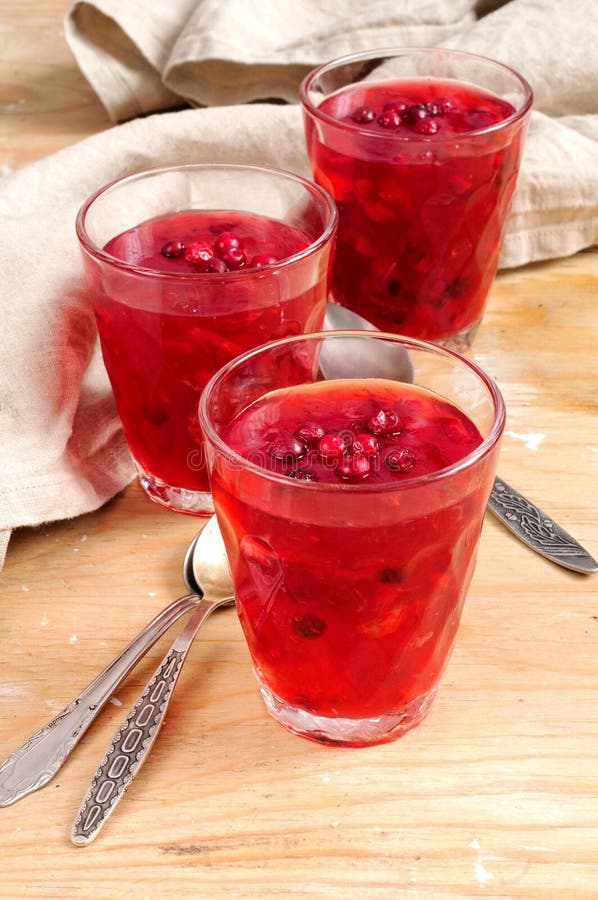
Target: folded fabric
x=142 y=56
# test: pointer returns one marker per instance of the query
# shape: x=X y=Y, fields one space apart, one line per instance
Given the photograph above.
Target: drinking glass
x=349 y=591
x=164 y=332
x=420 y=148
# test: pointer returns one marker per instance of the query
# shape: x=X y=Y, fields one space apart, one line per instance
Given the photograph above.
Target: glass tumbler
x=351 y=542
x=187 y=266
x=420 y=148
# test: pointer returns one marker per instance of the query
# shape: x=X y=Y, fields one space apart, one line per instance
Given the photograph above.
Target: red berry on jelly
x=384 y=422
x=311 y=432
x=363 y=114
x=390 y=120
x=225 y=242
x=199 y=253
x=365 y=444
x=215 y=265
x=331 y=446
x=287 y=447
x=234 y=258
x=354 y=467
x=444 y=105
x=426 y=126
x=173 y=249
x=400 y=460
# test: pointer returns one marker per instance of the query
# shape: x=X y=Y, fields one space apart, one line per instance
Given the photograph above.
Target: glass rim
x=100 y=254
x=482 y=450
x=404 y=51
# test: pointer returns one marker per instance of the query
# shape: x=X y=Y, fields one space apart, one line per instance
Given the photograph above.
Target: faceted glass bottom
x=344 y=732
x=461 y=341
x=181 y=500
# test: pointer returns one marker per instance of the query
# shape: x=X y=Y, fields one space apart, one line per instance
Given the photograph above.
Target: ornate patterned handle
x=538 y=530
x=126 y=754
x=36 y=761
x=134 y=739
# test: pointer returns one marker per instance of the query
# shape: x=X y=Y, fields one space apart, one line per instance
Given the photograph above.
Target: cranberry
x=263 y=259
x=226 y=241
x=301 y=475
x=432 y=108
x=363 y=114
x=426 y=126
x=331 y=446
x=172 y=249
x=309 y=626
x=365 y=444
x=401 y=460
x=310 y=432
x=396 y=105
x=415 y=112
x=286 y=447
x=215 y=265
x=234 y=258
x=354 y=467
x=199 y=253
x=444 y=106
x=390 y=119
x=385 y=421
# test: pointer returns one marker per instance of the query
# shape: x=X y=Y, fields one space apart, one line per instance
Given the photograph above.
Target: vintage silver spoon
x=135 y=737
x=34 y=763
x=525 y=520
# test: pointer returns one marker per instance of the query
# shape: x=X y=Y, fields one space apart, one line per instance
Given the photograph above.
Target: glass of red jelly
x=187 y=266
x=420 y=148
x=351 y=508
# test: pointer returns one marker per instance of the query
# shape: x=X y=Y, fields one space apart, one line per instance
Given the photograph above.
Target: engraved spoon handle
x=36 y=761
x=132 y=742
x=532 y=526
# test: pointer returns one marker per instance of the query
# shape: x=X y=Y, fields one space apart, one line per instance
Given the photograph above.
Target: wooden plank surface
x=494 y=795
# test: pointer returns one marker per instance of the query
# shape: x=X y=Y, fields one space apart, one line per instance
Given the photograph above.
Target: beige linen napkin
x=140 y=56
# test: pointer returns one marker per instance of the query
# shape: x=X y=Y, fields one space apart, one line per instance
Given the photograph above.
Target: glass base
x=461 y=341
x=343 y=732
x=181 y=500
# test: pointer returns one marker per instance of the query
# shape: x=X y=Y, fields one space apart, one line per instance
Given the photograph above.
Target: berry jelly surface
x=350 y=599
x=422 y=201
x=164 y=337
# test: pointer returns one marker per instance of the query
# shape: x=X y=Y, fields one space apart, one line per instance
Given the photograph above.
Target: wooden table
x=494 y=795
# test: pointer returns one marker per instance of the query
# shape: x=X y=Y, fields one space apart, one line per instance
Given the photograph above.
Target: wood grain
x=493 y=796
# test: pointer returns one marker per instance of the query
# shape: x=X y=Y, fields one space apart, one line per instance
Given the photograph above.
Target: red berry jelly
x=164 y=335
x=423 y=192
x=351 y=563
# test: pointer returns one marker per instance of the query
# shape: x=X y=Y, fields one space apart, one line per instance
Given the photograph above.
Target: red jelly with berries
x=202 y=287
x=423 y=172
x=351 y=559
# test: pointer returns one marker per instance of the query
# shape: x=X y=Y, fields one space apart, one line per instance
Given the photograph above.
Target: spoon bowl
x=341 y=359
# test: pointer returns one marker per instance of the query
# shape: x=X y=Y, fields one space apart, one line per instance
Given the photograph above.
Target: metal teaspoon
x=135 y=737
x=36 y=761
x=525 y=520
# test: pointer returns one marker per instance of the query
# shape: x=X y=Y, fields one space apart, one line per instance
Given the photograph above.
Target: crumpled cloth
x=62 y=452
